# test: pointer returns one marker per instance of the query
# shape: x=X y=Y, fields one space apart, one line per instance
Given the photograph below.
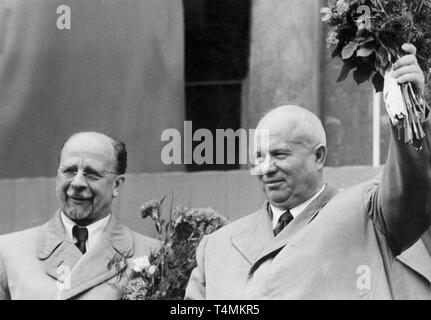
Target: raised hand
x=407 y=69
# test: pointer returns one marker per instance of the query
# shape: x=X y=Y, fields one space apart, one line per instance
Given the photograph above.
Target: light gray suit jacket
x=343 y=246
x=411 y=273
x=43 y=263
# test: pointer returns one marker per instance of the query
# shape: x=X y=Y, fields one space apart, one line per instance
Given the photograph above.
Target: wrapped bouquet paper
x=164 y=274
x=368 y=35
x=403 y=108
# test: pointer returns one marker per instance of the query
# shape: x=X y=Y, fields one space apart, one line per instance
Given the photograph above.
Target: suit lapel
x=78 y=273
x=255 y=235
x=95 y=267
x=418 y=259
x=56 y=251
x=287 y=234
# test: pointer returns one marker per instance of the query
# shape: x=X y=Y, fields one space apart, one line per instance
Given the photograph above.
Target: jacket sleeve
x=4 y=288
x=196 y=287
x=400 y=205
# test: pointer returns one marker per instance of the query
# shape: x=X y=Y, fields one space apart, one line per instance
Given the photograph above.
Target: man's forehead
x=282 y=130
x=278 y=135
x=280 y=126
x=91 y=146
x=77 y=156
x=277 y=142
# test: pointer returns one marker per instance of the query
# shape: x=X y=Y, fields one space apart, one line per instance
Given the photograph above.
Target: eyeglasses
x=88 y=174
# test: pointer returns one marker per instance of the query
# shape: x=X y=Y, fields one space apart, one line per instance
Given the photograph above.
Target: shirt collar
x=296 y=211
x=94 y=230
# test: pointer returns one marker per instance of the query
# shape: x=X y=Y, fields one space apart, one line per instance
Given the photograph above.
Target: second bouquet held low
x=164 y=275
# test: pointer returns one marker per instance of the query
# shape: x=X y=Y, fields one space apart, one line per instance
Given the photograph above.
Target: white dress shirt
x=277 y=212
x=94 y=230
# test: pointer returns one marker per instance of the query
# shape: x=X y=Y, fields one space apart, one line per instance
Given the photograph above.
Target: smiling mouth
x=79 y=200
x=273 y=183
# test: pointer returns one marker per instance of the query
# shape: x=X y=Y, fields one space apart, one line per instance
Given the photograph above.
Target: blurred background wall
x=118 y=70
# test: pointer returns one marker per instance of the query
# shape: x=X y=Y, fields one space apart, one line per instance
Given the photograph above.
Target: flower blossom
x=151 y=209
x=342 y=7
x=327 y=14
x=151 y=270
x=140 y=264
x=332 y=39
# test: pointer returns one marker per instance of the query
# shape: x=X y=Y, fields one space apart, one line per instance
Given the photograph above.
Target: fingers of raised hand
x=408 y=60
x=409 y=48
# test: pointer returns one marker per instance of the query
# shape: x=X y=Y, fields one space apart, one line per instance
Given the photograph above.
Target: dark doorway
x=217 y=42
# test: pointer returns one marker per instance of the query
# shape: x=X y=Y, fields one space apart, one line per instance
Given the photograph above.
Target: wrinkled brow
x=85 y=154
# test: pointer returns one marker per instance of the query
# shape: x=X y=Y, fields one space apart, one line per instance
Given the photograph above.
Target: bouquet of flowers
x=367 y=35
x=165 y=274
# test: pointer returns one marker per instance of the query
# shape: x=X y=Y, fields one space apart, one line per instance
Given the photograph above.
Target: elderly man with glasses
x=69 y=257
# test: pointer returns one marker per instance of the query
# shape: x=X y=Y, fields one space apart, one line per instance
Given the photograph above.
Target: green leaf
x=337 y=50
x=365 y=41
x=378 y=82
x=349 y=50
x=364 y=52
x=346 y=32
x=362 y=73
x=383 y=57
x=347 y=66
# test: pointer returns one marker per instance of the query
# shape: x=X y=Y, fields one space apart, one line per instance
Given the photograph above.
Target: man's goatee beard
x=77 y=213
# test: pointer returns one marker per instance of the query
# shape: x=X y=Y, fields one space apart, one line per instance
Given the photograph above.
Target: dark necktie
x=283 y=221
x=81 y=234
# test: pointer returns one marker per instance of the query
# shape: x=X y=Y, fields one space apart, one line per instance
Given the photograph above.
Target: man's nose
x=78 y=181
x=269 y=166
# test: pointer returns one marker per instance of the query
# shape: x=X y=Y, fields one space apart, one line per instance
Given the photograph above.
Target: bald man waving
x=310 y=241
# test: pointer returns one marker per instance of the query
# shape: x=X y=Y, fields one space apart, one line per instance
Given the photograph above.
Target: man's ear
x=118 y=184
x=320 y=154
